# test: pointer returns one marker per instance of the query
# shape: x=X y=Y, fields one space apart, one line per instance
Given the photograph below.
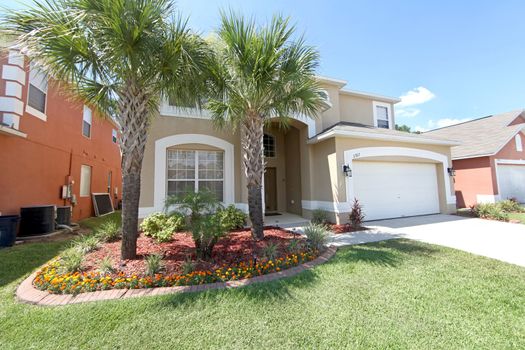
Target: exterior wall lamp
x=347 y=171
x=451 y=172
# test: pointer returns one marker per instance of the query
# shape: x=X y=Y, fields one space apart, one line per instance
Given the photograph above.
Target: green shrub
x=356 y=215
x=206 y=231
x=295 y=246
x=317 y=236
x=319 y=217
x=106 y=266
x=153 y=264
x=87 y=244
x=491 y=211
x=270 y=251
x=231 y=217
x=510 y=206
x=109 y=231
x=71 y=260
x=161 y=227
x=188 y=266
x=195 y=204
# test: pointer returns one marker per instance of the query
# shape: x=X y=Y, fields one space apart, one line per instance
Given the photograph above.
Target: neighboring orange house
x=490 y=162
x=48 y=140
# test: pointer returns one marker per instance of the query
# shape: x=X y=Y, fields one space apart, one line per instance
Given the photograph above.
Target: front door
x=270 y=190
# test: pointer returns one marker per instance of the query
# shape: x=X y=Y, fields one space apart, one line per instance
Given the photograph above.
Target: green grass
x=517 y=216
x=94 y=222
x=392 y=294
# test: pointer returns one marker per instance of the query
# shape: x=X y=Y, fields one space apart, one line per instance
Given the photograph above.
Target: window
x=269 y=145
x=192 y=171
x=519 y=145
x=382 y=117
x=87 y=118
x=114 y=135
x=36 y=97
x=85 y=181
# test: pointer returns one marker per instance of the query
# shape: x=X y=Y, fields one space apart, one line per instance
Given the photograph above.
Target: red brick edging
x=27 y=293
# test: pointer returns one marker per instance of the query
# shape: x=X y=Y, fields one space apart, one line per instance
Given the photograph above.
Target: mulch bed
x=344 y=228
x=234 y=248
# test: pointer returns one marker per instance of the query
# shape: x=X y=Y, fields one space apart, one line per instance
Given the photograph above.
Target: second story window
x=269 y=146
x=114 y=135
x=382 y=115
x=87 y=118
x=36 y=97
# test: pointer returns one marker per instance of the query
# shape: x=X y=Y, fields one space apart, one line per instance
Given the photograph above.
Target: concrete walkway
x=493 y=239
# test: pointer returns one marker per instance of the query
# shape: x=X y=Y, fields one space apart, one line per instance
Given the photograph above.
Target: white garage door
x=512 y=181
x=394 y=189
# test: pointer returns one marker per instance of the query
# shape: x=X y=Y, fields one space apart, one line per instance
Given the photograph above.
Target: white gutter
x=382 y=137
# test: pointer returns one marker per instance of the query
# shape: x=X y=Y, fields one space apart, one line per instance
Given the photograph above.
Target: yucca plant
x=261 y=73
x=121 y=57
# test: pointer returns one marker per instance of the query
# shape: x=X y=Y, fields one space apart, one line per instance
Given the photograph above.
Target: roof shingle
x=482 y=137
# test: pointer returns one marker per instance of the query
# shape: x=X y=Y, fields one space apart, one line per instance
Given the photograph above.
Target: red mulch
x=237 y=246
x=344 y=228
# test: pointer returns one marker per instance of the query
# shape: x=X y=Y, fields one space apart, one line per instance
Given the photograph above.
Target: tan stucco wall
x=292 y=141
x=332 y=115
x=167 y=126
x=323 y=171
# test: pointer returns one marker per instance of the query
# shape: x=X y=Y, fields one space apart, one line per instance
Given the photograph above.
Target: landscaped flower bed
x=236 y=256
x=49 y=279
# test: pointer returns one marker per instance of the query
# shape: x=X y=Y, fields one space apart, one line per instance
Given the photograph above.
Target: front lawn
x=392 y=294
x=518 y=216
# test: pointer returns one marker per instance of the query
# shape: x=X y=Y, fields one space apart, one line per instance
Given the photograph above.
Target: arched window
x=269 y=145
x=519 y=145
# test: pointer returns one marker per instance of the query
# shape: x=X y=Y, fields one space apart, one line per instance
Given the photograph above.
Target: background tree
x=121 y=57
x=403 y=127
x=261 y=73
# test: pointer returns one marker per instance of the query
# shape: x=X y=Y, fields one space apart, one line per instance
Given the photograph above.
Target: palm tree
x=119 y=56
x=261 y=73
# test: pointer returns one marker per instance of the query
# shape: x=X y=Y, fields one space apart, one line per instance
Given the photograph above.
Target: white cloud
x=407 y=112
x=420 y=129
x=416 y=96
x=441 y=123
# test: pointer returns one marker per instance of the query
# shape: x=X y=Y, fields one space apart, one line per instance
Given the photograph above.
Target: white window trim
x=90 y=180
x=160 y=173
x=33 y=111
x=388 y=106
x=89 y=122
x=519 y=144
x=36 y=112
x=196 y=179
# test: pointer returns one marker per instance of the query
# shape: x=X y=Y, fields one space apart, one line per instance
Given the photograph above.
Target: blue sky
x=449 y=60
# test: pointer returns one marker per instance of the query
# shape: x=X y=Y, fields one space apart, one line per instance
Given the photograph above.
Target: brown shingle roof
x=482 y=137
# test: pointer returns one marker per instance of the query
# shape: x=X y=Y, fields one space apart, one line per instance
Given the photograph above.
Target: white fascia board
x=370 y=95
x=373 y=136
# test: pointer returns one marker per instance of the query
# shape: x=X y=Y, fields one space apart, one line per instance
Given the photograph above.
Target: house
x=490 y=162
x=48 y=141
x=350 y=151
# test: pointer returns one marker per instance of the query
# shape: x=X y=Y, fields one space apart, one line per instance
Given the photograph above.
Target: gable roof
x=484 y=136
x=357 y=130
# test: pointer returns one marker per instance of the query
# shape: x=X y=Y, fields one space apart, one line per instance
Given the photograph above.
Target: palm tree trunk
x=252 y=132
x=134 y=121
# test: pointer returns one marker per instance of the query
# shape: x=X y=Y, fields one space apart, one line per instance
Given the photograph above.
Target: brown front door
x=270 y=189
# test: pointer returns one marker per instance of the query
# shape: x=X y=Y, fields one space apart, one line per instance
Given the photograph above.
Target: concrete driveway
x=493 y=239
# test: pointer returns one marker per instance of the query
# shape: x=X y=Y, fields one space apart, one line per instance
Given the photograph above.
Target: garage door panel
x=393 y=189
x=512 y=181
